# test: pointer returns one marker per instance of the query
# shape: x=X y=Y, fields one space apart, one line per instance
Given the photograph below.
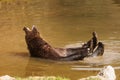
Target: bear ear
x=34 y=29
x=94 y=34
x=26 y=29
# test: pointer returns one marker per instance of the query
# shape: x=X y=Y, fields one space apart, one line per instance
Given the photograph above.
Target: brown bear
x=40 y=48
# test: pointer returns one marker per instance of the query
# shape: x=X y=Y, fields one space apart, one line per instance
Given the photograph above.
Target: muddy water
x=63 y=23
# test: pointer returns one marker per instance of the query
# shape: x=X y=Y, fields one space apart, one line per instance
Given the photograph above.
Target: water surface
x=63 y=23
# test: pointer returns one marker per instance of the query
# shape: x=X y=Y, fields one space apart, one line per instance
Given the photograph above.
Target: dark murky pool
x=63 y=23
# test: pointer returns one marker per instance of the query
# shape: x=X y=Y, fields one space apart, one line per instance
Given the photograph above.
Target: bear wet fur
x=40 y=48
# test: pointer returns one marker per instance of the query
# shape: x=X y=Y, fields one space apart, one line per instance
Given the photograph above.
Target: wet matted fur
x=38 y=47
